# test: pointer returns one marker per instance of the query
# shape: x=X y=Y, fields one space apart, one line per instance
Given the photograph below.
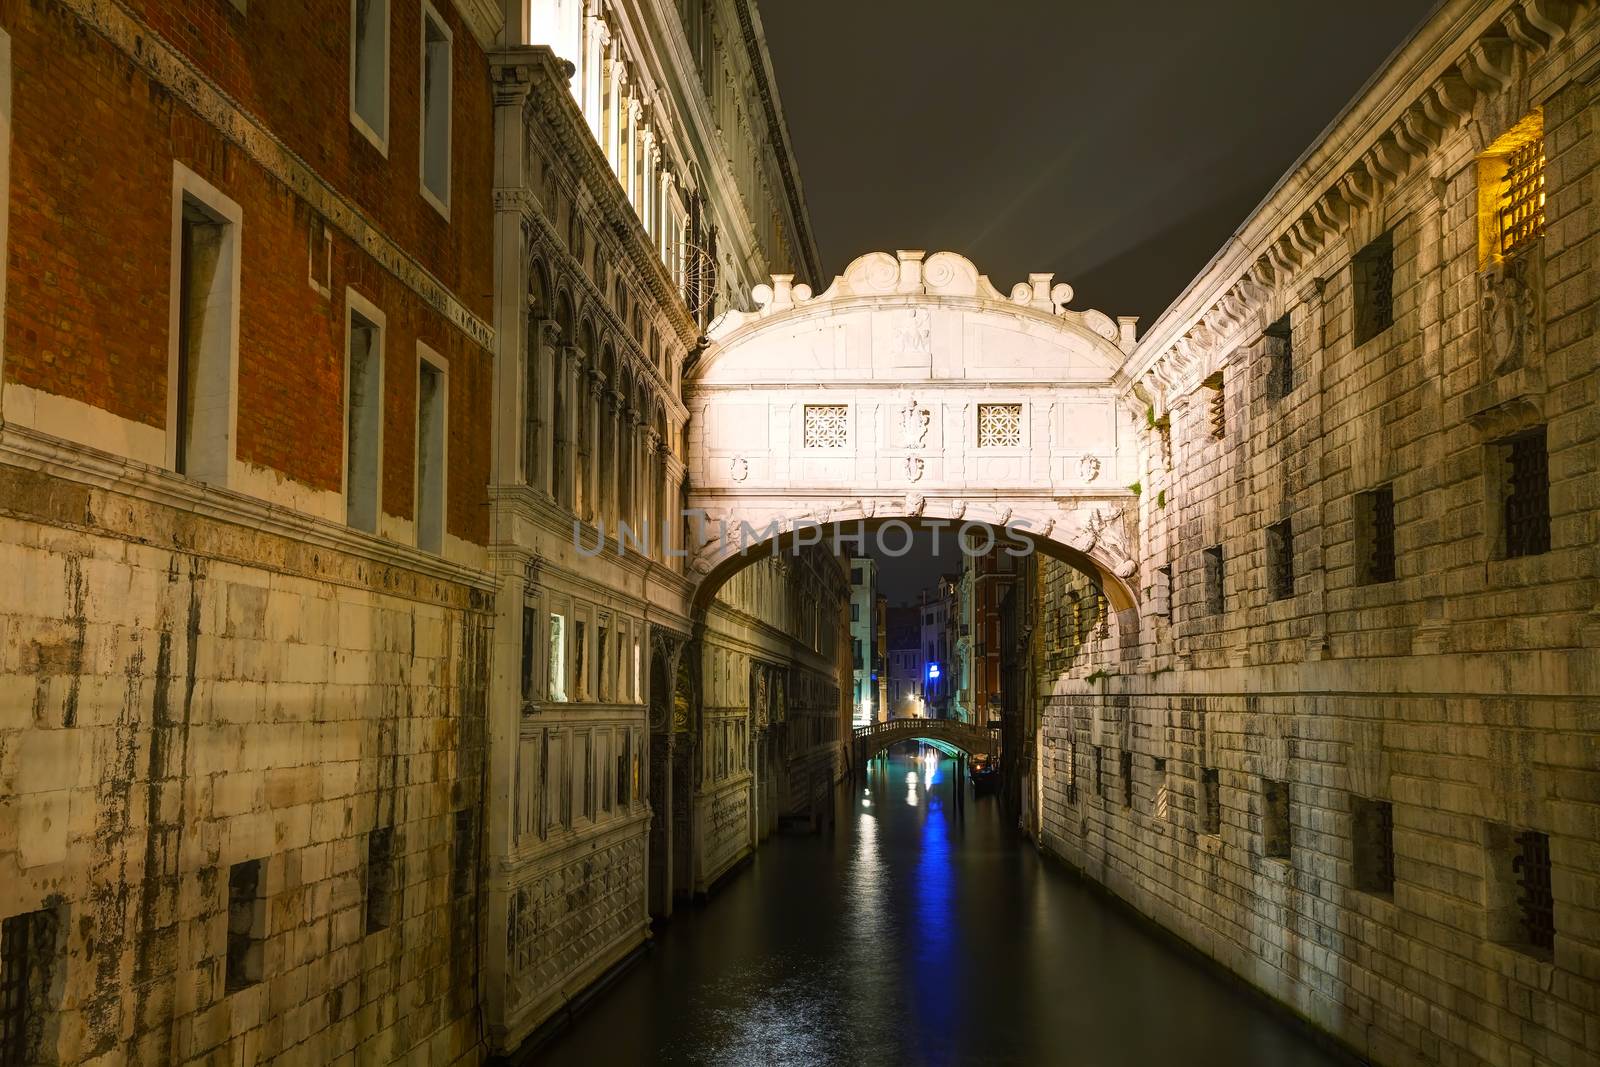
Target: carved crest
x=739 y=468
x=914 y=332
x=914 y=466
x=914 y=424
x=1511 y=313
x=1088 y=468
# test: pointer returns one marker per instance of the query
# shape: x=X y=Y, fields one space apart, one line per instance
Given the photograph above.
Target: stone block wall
x=1344 y=786
x=185 y=696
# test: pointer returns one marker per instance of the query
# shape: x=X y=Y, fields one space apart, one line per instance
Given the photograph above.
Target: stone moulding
x=1429 y=89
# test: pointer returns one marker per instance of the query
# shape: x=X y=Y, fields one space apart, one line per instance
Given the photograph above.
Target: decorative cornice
x=194 y=88
x=484 y=18
x=550 y=94
x=1428 y=89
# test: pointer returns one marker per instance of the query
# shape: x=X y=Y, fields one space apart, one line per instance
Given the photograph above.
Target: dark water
x=917 y=935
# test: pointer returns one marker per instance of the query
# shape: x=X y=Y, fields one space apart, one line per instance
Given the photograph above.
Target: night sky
x=1116 y=144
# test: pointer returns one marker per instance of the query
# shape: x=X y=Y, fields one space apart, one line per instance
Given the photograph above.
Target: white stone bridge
x=873 y=738
x=913 y=389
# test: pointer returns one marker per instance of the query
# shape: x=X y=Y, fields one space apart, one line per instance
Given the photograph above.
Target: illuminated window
x=999 y=425
x=826 y=426
x=1217 y=406
x=557 y=673
x=1511 y=191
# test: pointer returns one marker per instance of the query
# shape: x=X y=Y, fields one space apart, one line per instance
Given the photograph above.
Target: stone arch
x=564 y=315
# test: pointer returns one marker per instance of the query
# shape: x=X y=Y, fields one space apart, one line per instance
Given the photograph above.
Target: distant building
x=985 y=579
x=905 y=661
x=938 y=676
x=864 y=640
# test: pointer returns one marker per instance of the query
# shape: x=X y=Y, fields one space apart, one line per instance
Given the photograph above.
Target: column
x=612 y=472
x=594 y=61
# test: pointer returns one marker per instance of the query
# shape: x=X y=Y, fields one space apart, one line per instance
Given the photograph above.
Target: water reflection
x=920 y=932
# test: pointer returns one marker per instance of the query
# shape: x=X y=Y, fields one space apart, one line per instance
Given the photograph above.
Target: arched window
x=608 y=444
x=561 y=454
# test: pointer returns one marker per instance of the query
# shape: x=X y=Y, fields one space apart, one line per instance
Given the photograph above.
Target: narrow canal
x=919 y=934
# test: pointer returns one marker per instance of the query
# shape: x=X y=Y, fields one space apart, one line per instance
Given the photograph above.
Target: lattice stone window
x=1374 y=515
x=827 y=426
x=999 y=425
x=1525 y=493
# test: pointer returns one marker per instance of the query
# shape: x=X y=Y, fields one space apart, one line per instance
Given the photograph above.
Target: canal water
x=919 y=932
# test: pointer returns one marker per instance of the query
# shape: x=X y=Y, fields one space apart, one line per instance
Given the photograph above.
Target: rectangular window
x=1163 y=791
x=1125 y=766
x=1374 y=519
x=1372 y=833
x=1214 y=578
x=625 y=771
x=363 y=416
x=1372 y=274
x=1210 y=801
x=247 y=923
x=585 y=756
x=369 y=70
x=206 y=332
x=1511 y=191
x=580 y=658
x=1280 y=359
x=431 y=458
x=556 y=668
x=1071 y=761
x=1099 y=767
x=380 y=879
x=1161 y=591
x=999 y=425
x=1280 y=560
x=30 y=957
x=1525 y=493
x=529 y=626
x=826 y=426
x=1217 y=406
x=1275 y=828
x=1521 y=901
x=436 y=74
x=602 y=648
x=855 y=612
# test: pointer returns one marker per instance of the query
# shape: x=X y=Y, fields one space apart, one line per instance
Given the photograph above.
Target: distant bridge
x=969 y=738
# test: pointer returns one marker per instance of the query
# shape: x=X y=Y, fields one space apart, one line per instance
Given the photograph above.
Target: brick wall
x=95 y=137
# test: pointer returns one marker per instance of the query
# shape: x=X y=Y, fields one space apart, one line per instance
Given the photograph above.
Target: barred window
x=1280 y=560
x=999 y=425
x=1372 y=272
x=1217 y=406
x=826 y=426
x=1280 y=359
x=1374 y=515
x=1525 y=466
x=1210 y=801
x=1521 y=211
x=1372 y=831
x=31 y=953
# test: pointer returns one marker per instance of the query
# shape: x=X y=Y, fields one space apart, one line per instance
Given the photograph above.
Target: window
x=1161 y=592
x=826 y=426
x=529 y=625
x=1210 y=801
x=431 y=386
x=1125 y=766
x=1372 y=833
x=586 y=774
x=380 y=879
x=363 y=413
x=1372 y=275
x=625 y=771
x=855 y=612
x=1280 y=359
x=205 y=330
x=580 y=658
x=556 y=671
x=999 y=425
x=369 y=70
x=1374 y=518
x=436 y=74
x=1511 y=191
x=1280 y=560
x=1099 y=778
x=1275 y=829
x=1214 y=577
x=602 y=647
x=1521 y=903
x=1525 y=494
x=247 y=923
x=1217 y=406
x=31 y=954
x=1163 y=791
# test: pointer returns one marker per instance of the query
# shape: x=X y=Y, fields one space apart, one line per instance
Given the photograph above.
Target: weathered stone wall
x=1457 y=698
x=180 y=693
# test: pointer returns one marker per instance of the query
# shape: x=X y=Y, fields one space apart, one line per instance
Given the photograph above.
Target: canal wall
x=1345 y=746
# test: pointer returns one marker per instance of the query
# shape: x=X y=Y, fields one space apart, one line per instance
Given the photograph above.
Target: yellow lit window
x=1511 y=191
